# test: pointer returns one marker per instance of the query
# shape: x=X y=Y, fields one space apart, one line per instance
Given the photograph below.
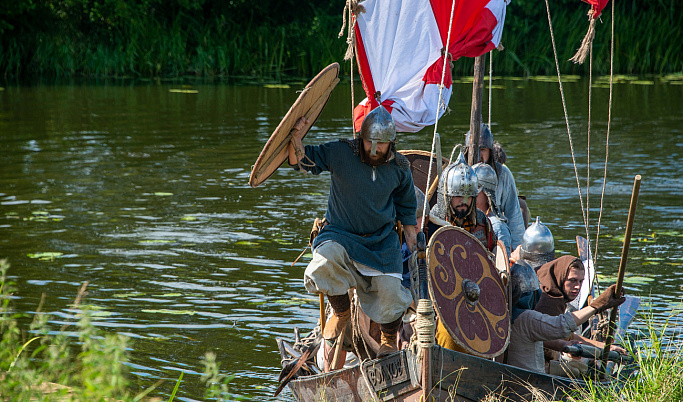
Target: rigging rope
x=446 y=55
x=566 y=117
x=609 y=123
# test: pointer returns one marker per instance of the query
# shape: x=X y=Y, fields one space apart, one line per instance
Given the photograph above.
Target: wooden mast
x=475 y=116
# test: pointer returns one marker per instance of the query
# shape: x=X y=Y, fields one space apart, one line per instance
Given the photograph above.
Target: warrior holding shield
x=371 y=189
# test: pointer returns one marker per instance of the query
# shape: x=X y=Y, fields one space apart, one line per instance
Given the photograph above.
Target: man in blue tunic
x=371 y=188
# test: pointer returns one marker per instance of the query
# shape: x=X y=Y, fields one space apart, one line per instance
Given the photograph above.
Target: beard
x=459 y=213
x=377 y=160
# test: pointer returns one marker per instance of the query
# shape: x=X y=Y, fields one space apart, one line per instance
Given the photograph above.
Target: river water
x=143 y=192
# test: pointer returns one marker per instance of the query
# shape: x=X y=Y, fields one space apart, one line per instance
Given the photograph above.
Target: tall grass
x=216 y=46
x=50 y=367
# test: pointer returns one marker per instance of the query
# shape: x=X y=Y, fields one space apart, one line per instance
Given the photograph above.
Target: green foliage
x=276 y=39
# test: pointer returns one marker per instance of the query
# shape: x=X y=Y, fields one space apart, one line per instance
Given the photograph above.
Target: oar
x=622 y=269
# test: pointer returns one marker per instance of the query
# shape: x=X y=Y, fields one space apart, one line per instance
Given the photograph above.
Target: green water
x=143 y=193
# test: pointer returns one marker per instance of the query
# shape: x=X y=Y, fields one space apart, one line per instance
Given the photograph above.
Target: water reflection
x=144 y=193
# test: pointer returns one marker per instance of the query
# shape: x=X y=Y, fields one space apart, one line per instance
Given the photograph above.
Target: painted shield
x=309 y=105
x=419 y=166
x=469 y=295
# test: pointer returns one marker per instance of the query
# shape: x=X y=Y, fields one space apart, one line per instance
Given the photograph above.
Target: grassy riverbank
x=279 y=40
x=79 y=362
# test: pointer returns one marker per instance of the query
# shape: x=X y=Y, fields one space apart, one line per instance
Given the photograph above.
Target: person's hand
x=410 y=233
x=296 y=147
x=618 y=349
x=514 y=256
x=607 y=299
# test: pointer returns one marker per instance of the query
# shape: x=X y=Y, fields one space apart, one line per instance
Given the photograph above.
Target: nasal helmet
x=378 y=126
x=486 y=177
x=538 y=245
x=459 y=180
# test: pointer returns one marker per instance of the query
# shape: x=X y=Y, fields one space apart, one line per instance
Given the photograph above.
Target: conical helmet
x=485 y=137
x=378 y=126
x=538 y=245
x=459 y=180
x=486 y=177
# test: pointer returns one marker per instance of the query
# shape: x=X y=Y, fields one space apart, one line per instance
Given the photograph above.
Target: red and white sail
x=400 y=44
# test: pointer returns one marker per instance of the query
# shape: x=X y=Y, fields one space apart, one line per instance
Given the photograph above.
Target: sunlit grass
x=50 y=367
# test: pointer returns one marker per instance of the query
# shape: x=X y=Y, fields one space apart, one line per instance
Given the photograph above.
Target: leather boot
x=336 y=324
x=388 y=341
x=341 y=315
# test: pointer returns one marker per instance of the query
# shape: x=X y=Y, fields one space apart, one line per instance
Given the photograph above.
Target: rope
x=587 y=42
x=425 y=328
x=588 y=145
x=438 y=106
x=351 y=7
x=609 y=122
x=564 y=108
x=357 y=333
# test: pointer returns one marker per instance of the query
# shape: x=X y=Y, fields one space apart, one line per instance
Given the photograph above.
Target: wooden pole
x=323 y=319
x=622 y=269
x=423 y=290
x=475 y=115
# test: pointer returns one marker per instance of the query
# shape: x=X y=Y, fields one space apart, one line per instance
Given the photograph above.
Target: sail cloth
x=400 y=43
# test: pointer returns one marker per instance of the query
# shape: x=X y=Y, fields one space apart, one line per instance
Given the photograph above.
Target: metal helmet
x=378 y=126
x=486 y=177
x=485 y=137
x=523 y=278
x=538 y=245
x=459 y=180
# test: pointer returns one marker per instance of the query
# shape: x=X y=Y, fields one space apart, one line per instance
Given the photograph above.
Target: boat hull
x=457 y=376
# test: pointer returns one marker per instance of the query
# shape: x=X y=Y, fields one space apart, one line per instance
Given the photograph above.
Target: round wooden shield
x=420 y=164
x=309 y=105
x=468 y=293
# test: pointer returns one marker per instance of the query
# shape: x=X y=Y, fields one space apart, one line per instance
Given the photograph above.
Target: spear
x=622 y=269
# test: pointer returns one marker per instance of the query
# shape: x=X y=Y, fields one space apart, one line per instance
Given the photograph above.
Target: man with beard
x=506 y=190
x=371 y=189
x=455 y=205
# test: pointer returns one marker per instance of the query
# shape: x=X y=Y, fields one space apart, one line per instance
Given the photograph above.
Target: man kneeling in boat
x=371 y=188
x=531 y=328
x=456 y=205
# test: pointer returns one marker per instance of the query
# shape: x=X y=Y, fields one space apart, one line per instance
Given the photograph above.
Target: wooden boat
x=432 y=372
x=456 y=376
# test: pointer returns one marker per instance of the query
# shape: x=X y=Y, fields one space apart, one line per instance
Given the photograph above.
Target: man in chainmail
x=486 y=201
x=456 y=204
x=506 y=189
x=371 y=188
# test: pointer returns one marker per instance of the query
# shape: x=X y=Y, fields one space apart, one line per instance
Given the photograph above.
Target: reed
x=146 y=44
x=51 y=367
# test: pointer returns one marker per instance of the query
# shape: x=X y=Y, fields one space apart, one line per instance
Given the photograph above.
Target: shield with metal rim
x=309 y=105
x=469 y=295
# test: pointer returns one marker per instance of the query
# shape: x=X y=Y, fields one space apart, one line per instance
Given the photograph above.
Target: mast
x=475 y=116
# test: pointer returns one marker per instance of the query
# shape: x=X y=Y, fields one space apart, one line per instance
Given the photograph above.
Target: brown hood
x=552 y=275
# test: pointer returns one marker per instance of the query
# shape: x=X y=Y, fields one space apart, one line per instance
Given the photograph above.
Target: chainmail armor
x=536 y=259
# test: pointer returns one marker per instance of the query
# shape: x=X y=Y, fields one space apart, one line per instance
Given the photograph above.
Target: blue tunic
x=362 y=212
